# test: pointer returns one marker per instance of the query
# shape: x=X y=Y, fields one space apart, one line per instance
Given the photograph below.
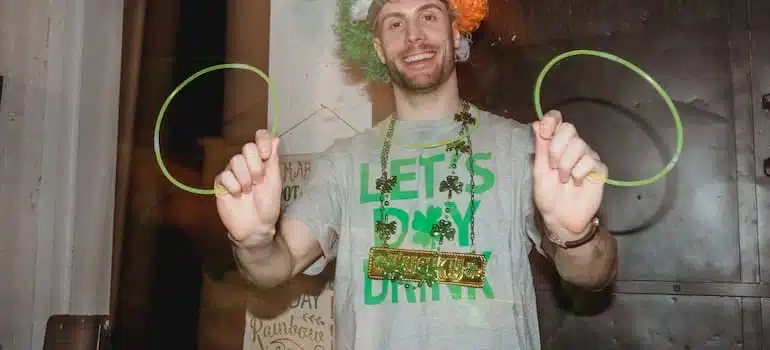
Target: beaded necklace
x=425 y=267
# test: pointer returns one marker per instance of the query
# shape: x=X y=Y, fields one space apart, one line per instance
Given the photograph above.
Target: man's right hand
x=249 y=191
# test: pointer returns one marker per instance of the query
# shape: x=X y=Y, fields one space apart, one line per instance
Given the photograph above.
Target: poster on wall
x=307 y=324
x=294 y=170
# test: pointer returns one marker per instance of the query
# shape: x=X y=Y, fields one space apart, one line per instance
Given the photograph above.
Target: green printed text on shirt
x=418 y=179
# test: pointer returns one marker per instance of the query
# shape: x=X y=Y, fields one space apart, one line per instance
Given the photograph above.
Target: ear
x=456 y=35
x=377 y=43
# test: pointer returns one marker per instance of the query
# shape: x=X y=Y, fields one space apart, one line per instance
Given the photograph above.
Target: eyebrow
x=419 y=9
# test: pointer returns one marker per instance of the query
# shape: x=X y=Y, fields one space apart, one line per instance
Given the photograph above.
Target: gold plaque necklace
x=425 y=267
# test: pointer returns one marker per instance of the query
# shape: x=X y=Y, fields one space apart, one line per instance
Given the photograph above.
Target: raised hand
x=566 y=196
x=249 y=191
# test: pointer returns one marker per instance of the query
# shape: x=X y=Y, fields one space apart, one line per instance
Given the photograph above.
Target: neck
x=440 y=103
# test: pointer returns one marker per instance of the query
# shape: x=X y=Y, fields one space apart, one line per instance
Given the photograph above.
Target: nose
x=415 y=32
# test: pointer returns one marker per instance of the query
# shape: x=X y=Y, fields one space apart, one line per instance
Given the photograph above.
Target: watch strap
x=587 y=237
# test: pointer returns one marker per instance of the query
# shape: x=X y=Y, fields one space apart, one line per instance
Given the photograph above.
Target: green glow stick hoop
x=162 y=113
x=674 y=112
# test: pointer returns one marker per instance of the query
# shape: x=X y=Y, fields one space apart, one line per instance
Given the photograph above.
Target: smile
x=419 y=57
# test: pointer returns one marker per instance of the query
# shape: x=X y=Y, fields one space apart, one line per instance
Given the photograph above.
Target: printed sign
x=307 y=325
x=294 y=170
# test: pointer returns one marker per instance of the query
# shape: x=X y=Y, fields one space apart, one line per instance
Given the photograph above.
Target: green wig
x=356 y=44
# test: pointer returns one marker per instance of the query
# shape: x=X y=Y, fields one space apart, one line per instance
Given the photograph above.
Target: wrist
x=256 y=240
x=568 y=239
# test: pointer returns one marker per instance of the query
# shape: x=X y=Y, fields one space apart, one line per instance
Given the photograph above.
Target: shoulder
x=343 y=151
x=515 y=139
x=518 y=135
x=351 y=145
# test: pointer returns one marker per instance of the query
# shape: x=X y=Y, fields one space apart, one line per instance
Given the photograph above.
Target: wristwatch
x=593 y=228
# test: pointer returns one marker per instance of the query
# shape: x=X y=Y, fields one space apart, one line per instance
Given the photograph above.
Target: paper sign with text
x=294 y=170
x=307 y=325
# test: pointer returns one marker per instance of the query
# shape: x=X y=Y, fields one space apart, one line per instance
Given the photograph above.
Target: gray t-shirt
x=339 y=204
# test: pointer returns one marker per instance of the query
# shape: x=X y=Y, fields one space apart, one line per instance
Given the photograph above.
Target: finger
x=253 y=161
x=241 y=172
x=575 y=150
x=595 y=155
x=219 y=188
x=264 y=141
x=230 y=184
x=584 y=166
x=600 y=173
x=600 y=170
x=273 y=163
x=541 y=148
x=551 y=122
x=561 y=139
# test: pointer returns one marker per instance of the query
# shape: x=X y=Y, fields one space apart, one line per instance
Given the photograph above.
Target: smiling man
x=430 y=214
x=416 y=65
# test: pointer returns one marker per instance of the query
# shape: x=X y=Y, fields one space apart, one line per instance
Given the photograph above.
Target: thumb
x=541 y=147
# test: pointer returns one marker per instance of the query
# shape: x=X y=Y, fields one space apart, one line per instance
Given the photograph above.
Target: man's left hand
x=565 y=194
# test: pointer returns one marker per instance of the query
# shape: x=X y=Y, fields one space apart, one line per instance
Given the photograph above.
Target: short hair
x=377 y=5
x=461 y=54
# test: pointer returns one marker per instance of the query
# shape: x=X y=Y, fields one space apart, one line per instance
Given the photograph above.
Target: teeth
x=422 y=56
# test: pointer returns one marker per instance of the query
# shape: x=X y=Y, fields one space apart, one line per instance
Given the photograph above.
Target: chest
x=468 y=197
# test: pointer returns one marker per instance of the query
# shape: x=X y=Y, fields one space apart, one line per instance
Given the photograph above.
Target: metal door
x=692 y=244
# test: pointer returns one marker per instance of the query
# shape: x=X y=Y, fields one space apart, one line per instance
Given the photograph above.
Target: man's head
x=417 y=41
x=442 y=27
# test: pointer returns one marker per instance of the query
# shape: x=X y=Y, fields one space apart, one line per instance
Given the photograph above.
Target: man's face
x=416 y=41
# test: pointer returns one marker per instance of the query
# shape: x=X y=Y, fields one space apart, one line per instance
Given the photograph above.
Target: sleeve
x=319 y=204
x=524 y=203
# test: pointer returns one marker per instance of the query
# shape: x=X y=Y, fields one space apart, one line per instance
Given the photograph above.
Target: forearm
x=592 y=266
x=265 y=265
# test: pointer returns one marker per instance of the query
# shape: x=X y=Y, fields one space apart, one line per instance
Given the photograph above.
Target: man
x=429 y=214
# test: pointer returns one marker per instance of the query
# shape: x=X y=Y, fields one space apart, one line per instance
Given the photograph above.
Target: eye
x=429 y=17
x=393 y=24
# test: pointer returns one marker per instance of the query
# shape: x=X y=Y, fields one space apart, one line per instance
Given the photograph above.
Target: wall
x=58 y=132
x=313 y=97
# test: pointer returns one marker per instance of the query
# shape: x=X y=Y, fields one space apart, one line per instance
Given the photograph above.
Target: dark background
x=196 y=112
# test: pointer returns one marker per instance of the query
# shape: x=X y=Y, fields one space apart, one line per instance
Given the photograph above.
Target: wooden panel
x=248 y=42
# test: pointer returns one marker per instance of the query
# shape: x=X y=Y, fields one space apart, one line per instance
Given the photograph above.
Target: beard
x=425 y=82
